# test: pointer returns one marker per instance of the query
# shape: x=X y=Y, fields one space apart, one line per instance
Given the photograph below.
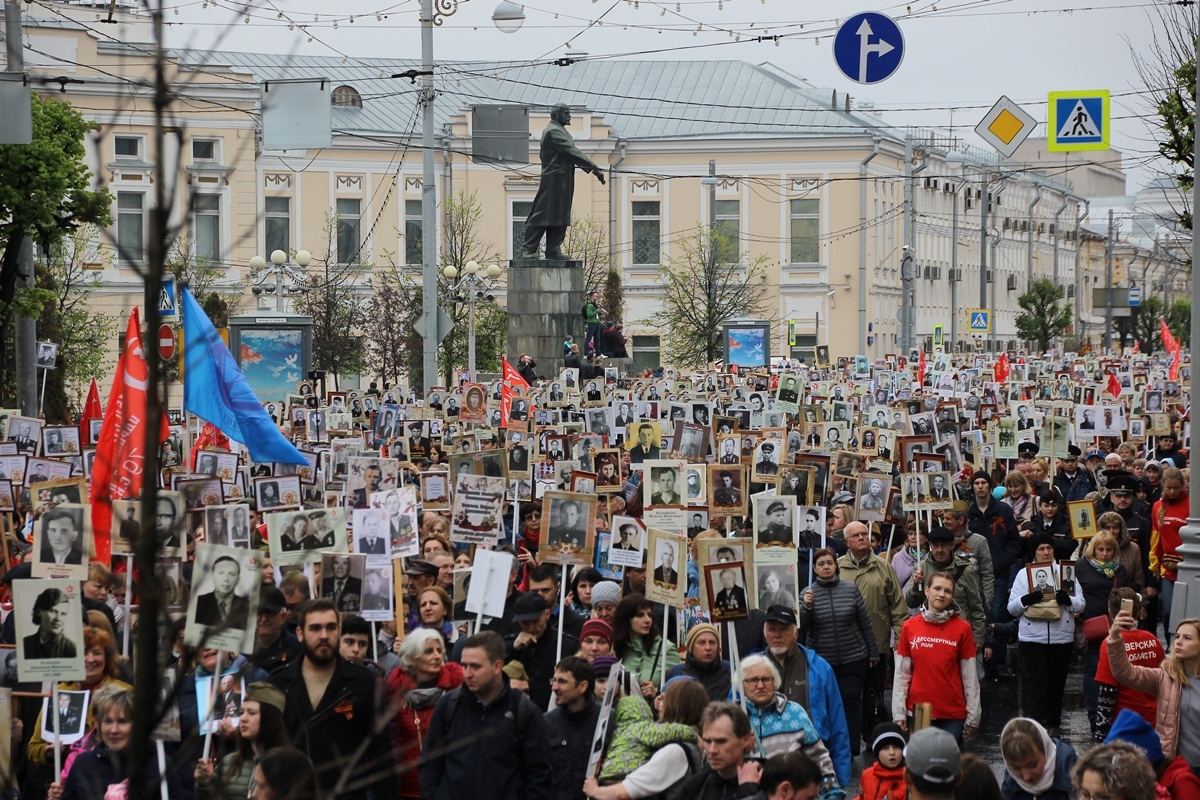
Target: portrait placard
x=62 y=541
x=666 y=568
x=1082 y=515
x=628 y=542
x=299 y=537
x=726 y=489
x=72 y=716
x=663 y=483
x=774 y=521
x=568 y=528
x=342 y=580
x=478 y=504
x=49 y=629
x=223 y=607
x=725 y=589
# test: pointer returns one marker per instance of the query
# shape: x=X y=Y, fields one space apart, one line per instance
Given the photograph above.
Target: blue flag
x=215 y=390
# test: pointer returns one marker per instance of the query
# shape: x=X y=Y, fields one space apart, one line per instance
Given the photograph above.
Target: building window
x=647 y=232
x=806 y=231
x=206 y=224
x=127 y=146
x=346 y=97
x=131 y=226
x=349 y=230
x=521 y=209
x=413 y=230
x=204 y=149
x=277 y=225
x=729 y=227
x=645 y=353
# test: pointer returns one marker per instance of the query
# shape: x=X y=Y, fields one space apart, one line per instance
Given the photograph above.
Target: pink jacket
x=1156 y=681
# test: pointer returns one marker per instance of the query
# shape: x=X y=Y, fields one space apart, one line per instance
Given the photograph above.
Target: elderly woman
x=423 y=677
x=99 y=670
x=97 y=772
x=834 y=618
x=780 y=725
x=1117 y=771
x=437 y=539
x=1174 y=683
x=703 y=662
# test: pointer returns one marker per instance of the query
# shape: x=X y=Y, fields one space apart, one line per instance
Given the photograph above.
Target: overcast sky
x=960 y=55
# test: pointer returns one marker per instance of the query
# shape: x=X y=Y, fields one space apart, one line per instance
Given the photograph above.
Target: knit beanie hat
x=515 y=670
x=697 y=629
x=982 y=476
x=606 y=592
x=1130 y=727
x=602 y=665
x=596 y=627
x=886 y=733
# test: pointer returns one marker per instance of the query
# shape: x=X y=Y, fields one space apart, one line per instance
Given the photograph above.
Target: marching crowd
x=965 y=530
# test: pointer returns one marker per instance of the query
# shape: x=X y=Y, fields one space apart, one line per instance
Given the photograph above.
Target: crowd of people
x=795 y=582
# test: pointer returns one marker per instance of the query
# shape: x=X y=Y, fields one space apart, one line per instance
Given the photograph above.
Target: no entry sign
x=166 y=342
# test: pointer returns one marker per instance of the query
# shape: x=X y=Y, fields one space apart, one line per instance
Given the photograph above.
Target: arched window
x=347 y=97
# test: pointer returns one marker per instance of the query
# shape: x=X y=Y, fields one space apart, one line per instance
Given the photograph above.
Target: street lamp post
x=476 y=284
x=259 y=272
x=508 y=18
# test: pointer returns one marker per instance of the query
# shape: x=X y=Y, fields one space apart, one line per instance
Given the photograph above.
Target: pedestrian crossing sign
x=167 y=307
x=1077 y=121
x=979 y=320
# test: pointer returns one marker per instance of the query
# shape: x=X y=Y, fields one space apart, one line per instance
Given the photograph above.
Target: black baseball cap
x=778 y=613
x=529 y=606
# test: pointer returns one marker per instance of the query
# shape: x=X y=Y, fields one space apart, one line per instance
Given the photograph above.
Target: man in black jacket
x=485 y=740
x=332 y=731
x=571 y=724
x=536 y=646
x=726 y=736
x=543 y=579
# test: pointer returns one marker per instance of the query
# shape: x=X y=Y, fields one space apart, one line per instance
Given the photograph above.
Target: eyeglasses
x=759 y=681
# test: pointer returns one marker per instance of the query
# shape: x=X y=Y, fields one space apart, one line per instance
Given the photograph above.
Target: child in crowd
x=636 y=736
x=884 y=780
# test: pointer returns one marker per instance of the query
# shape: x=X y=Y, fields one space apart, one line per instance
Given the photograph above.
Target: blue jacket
x=1064 y=765
x=826 y=711
x=784 y=726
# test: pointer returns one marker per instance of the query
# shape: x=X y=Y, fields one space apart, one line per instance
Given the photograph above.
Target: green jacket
x=636 y=736
x=647 y=666
x=966 y=593
x=593 y=312
x=881 y=589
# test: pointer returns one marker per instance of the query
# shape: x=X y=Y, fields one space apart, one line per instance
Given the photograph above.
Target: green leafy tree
x=390 y=334
x=45 y=194
x=1142 y=325
x=1168 y=70
x=702 y=291
x=587 y=240
x=1042 y=318
x=1179 y=320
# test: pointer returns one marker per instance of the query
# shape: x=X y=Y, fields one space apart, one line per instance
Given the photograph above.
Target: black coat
x=539 y=660
x=503 y=756
x=331 y=733
x=95 y=770
x=1095 y=588
x=570 y=738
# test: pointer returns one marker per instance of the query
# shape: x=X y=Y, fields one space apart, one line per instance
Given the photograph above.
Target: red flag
x=91 y=411
x=1114 y=385
x=209 y=437
x=1137 y=345
x=1168 y=340
x=1174 y=373
x=510 y=376
x=117 y=471
x=506 y=396
x=1002 y=370
x=921 y=369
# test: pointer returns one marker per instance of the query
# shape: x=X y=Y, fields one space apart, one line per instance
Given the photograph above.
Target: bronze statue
x=551 y=214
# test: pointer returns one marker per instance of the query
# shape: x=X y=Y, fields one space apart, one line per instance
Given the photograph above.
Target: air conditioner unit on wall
x=956 y=274
x=1012 y=283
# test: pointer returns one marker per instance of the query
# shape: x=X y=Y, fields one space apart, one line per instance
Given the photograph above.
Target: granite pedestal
x=544 y=298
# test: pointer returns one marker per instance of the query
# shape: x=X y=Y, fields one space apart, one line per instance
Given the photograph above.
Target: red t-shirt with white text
x=1144 y=650
x=936 y=650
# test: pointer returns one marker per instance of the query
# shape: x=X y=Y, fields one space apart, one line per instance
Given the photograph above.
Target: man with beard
x=330 y=709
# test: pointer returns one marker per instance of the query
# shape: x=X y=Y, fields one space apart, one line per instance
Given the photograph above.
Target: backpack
x=583 y=312
x=520 y=716
x=694 y=764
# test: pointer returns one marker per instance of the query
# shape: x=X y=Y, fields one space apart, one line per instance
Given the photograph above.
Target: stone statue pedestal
x=544 y=298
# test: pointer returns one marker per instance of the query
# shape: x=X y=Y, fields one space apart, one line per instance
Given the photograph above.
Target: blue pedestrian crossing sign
x=979 y=320
x=167 y=307
x=1077 y=121
x=868 y=47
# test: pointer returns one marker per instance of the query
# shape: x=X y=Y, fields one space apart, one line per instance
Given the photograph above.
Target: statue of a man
x=551 y=213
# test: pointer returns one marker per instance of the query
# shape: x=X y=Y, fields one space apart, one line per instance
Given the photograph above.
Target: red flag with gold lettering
x=510 y=376
x=118 y=469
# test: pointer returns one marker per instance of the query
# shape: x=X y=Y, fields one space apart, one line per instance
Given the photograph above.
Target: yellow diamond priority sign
x=1006 y=126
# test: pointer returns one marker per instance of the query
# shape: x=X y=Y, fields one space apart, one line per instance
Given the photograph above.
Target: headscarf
x=1051 y=750
x=1105 y=568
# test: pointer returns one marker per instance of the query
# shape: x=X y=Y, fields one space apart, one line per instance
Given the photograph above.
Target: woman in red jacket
x=423 y=677
x=1170 y=514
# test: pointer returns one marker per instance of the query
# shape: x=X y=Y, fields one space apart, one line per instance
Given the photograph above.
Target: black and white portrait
x=49 y=629
x=224 y=597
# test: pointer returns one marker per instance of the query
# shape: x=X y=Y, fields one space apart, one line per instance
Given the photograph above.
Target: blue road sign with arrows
x=868 y=47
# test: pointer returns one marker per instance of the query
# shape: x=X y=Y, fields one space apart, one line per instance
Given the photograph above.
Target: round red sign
x=166 y=342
